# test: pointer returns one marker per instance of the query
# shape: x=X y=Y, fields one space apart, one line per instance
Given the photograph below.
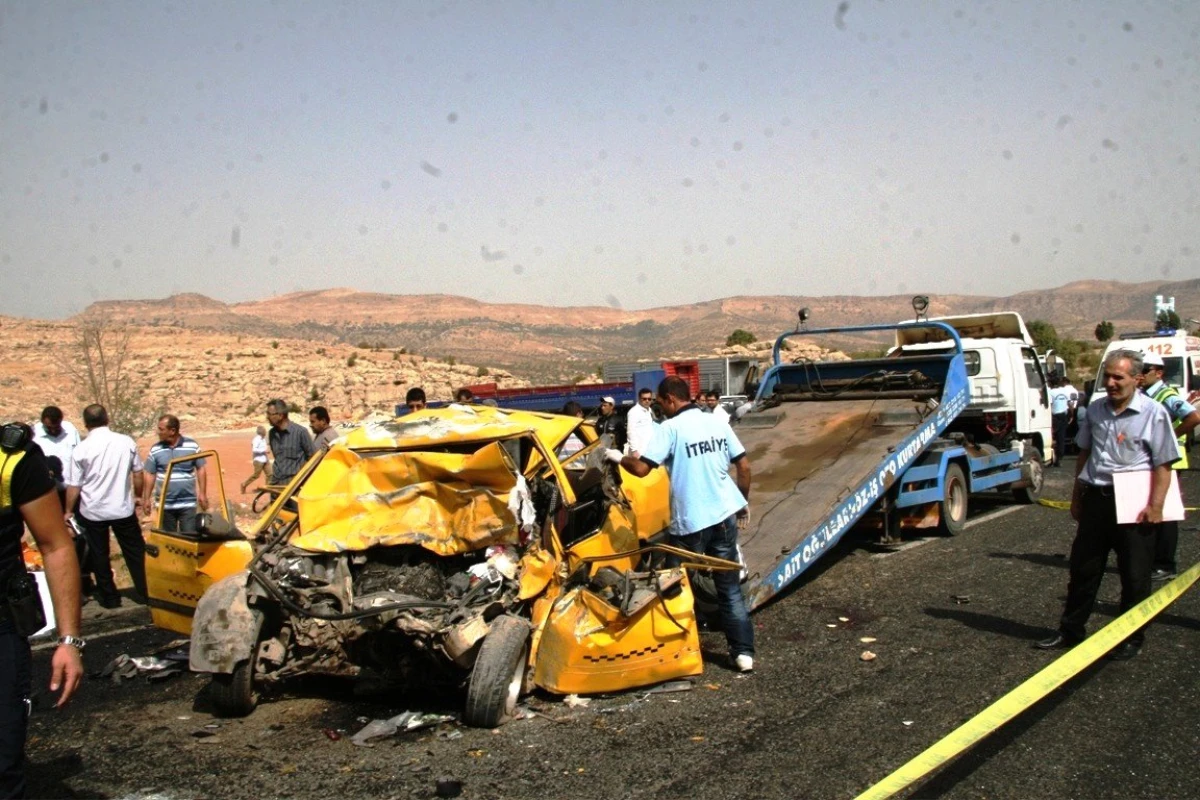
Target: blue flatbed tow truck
x=838 y=444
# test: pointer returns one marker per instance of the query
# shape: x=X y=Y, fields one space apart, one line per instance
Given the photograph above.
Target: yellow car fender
x=537 y=570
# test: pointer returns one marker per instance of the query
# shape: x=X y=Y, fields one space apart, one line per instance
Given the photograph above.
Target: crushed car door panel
x=587 y=645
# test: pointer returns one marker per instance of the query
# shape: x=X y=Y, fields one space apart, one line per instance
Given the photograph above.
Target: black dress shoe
x=110 y=602
x=1124 y=651
x=1057 y=642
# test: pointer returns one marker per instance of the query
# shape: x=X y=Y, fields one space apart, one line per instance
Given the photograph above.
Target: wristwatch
x=74 y=641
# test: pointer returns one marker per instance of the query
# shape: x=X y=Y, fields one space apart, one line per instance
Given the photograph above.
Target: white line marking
x=1000 y=512
x=988 y=517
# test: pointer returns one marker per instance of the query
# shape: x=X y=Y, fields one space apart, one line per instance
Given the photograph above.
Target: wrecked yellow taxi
x=451 y=545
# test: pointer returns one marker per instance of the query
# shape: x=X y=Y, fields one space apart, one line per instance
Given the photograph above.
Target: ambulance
x=1180 y=354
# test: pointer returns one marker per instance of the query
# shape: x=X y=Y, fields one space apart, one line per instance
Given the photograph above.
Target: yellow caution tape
x=1066 y=504
x=1034 y=689
x=1063 y=504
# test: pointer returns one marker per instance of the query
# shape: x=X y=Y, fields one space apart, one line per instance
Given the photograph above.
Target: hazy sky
x=589 y=153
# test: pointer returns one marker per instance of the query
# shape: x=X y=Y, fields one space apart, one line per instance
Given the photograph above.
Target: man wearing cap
x=1125 y=431
x=1184 y=417
x=611 y=423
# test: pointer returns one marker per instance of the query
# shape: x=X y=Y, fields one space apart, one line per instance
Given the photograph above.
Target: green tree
x=1104 y=331
x=1070 y=351
x=1168 y=319
x=1044 y=336
x=739 y=337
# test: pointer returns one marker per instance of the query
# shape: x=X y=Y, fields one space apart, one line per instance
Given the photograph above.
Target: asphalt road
x=813 y=721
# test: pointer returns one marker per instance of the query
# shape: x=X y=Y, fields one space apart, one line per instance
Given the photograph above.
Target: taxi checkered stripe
x=642 y=651
x=183 y=552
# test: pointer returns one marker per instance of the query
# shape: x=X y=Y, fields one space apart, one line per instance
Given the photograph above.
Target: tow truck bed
x=807 y=458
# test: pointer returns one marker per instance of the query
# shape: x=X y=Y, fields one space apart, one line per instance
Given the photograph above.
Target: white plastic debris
x=503 y=559
x=575 y=701
x=404 y=721
x=520 y=503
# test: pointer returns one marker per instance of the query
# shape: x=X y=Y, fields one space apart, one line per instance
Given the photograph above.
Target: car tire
x=499 y=674
x=234 y=694
x=704 y=592
x=1027 y=495
x=954 y=502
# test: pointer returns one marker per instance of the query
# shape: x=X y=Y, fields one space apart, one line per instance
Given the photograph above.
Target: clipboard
x=1132 y=492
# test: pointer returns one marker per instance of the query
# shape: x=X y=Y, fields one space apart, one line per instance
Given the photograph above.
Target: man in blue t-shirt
x=707 y=505
x=189 y=481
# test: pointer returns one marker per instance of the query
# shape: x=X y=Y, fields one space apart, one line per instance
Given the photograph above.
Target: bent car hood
x=448 y=503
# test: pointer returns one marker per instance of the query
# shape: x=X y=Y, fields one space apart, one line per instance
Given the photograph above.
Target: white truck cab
x=1180 y=354
x=1009 y=399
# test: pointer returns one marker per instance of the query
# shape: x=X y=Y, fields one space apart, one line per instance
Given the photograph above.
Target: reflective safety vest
x=7 y=467
x=1161 y=396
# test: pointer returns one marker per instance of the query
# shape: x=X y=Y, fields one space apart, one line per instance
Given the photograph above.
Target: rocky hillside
x=215 y=364
x=216 y=380
x=546 y=344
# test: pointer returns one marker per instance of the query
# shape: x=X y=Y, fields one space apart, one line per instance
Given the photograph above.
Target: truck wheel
x=953 y=505
x=1030 y=494
x=496 y=681
x=233 y=694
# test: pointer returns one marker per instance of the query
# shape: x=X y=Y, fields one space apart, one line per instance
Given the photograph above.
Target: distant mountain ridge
x=550 y=343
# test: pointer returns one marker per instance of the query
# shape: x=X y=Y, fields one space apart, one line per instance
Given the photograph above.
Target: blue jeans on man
x=720 y=540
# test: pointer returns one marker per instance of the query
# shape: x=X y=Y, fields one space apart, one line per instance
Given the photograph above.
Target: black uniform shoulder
x=31 y=476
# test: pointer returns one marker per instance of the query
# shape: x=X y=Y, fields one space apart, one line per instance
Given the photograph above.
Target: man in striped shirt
x=188 y=487
x=290 y=443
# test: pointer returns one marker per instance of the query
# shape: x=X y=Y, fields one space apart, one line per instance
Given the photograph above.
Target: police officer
x=28 y=498
x=1184 y=419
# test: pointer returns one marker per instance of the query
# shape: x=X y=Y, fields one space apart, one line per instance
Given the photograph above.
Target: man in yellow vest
x=1184 y=417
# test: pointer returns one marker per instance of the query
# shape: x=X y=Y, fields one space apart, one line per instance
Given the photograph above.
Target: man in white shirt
x=258 y=457
x=713 y=401
x=105 y=475
x=639 y=424
x=54 y=435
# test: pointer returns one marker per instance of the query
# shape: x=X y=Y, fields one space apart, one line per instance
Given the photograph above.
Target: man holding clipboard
x=1123 y=431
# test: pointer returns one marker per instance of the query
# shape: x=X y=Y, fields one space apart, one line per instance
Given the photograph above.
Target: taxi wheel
x=234 y=695
x=499 y=673
x=704 y=592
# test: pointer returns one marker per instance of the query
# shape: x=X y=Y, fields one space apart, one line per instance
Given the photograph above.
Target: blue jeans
x=720 y=540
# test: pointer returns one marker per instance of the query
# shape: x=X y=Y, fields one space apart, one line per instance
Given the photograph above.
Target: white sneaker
x=744 y=663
